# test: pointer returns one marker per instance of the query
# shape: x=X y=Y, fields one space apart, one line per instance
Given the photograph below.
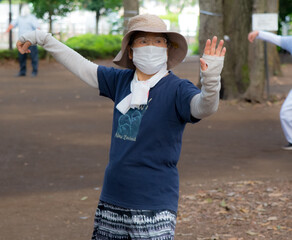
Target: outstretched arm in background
x=9 y=28
x=267 y=36
x=206 y=103
x=284 y=42
x=73 y=61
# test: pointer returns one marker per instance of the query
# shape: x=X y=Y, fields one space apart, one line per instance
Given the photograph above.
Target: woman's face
x=143 y=39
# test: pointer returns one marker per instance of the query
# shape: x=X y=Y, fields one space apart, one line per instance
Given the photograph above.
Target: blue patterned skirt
x=113 y=222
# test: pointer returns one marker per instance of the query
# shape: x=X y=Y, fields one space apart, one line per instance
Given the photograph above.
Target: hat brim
x=177 y=49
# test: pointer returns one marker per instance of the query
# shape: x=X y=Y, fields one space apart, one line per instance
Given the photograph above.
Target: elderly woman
x=140 y=192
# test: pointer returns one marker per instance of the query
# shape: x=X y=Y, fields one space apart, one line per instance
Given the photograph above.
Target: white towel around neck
x=140 y=91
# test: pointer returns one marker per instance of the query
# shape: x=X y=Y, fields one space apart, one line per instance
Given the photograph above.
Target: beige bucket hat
x=177 y=49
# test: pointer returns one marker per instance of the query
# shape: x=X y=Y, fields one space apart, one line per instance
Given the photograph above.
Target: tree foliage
x=49 y=9
x=179 y=4
x=101 y=7
x=104 y=7
x=285 y=9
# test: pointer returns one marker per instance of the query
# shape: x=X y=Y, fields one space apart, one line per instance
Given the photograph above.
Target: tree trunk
x=48 y=56
x=210 y=25
x=256 y=66
x=97 y=16
x=236 y=24
x=19 y=8
x=257 y=76
x=272 y=6
x=131 y=9
x=50 y=23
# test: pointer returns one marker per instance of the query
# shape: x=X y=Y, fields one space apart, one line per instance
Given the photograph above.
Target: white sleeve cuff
x=206 y=103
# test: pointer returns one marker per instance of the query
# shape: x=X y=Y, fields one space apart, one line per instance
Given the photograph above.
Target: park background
x=95 y=29
x=55 y=130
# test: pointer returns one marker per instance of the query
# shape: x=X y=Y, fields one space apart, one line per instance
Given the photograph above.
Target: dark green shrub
x=95 y=46
x=42 y=53
x=8 y=54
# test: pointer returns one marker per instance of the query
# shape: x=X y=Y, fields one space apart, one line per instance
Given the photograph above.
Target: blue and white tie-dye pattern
x=112 y=222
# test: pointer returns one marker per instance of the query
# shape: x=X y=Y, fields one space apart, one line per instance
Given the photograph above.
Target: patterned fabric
x=112 y=222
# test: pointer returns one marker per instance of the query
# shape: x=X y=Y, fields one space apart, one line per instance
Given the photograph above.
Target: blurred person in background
x=284 y=42
x=26 y=22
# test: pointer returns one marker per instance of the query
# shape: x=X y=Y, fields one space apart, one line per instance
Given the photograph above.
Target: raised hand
x=23 y=47
x=210 y=49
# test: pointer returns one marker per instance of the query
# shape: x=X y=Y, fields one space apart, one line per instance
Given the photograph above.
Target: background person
x=284 y=42
x=26 y=22
x=140 y=192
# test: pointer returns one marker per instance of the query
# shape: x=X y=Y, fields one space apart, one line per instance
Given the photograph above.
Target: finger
x=223 y=52
x=19 y=46
x=26 y=45
x=207 y=49
x=250 y=38
x=23 y=47
x=213 y=45
x=204 y=66
x=219 y=48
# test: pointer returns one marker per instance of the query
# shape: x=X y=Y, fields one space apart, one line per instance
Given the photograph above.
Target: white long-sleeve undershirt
x=284 y=42
x=270 y=37
x=207 y=102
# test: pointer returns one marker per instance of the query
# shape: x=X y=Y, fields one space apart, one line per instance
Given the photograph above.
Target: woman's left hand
x=210 y=49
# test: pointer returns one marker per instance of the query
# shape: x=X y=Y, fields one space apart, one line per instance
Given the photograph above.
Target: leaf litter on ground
x=236 y=210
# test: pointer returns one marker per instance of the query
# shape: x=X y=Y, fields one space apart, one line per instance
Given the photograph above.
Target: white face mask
x=149 y=59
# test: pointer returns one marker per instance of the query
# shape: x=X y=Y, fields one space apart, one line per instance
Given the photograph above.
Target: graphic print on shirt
x=129 y=124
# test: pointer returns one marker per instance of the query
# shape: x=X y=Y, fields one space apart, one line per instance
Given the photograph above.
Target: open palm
x=210 y=49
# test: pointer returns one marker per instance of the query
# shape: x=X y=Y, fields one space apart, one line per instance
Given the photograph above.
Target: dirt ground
x=235 y=181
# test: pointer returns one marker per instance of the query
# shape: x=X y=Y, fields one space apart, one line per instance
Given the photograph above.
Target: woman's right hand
x=23 y=47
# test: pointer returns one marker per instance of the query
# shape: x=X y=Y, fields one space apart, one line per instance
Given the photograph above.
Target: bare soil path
x=54 y=142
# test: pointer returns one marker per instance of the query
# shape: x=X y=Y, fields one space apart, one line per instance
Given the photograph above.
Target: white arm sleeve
x=270 y=37
x=73 y=61
x=206 y=103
